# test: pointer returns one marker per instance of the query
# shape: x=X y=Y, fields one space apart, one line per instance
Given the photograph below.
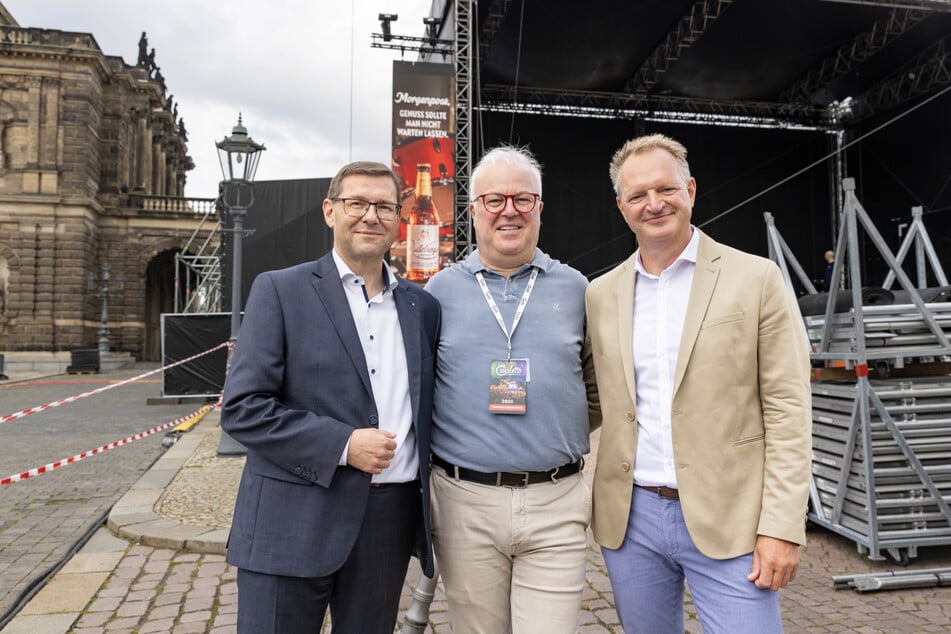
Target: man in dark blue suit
x=330 y=389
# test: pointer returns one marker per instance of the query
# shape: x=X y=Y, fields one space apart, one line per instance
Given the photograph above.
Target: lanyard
x=498 y=314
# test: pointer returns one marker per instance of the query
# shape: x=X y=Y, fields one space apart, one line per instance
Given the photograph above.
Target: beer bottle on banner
x=422 y=230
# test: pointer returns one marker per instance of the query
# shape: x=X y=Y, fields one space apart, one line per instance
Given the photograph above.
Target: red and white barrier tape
x=98 y=450
x=33 y=410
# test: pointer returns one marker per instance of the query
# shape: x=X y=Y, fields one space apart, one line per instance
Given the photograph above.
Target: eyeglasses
x=357 y=208
x=524 y=202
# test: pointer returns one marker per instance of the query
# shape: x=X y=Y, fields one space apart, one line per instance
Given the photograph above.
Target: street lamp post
x=103 y=289
x=239 y=156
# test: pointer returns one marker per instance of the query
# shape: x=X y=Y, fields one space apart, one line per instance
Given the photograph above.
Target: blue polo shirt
x=554 y=430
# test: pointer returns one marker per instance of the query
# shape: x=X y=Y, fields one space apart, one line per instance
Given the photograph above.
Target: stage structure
x=651 y=65
x=835 y=69
x=881 y=394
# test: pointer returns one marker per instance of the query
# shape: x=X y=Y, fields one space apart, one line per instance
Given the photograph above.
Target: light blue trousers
x=647 y=576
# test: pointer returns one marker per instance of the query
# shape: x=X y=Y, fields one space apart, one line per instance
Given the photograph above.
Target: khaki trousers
x=511 y=559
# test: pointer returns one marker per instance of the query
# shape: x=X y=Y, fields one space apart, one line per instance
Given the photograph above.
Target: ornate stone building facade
x=92 y=172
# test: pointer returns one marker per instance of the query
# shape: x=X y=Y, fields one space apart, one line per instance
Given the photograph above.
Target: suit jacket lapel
x=408 y=314
x=625 y=321
x=701 y=291
x=331 y=293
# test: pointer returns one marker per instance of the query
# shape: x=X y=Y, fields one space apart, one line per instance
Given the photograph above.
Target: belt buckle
x=554 y=473
x=524 y=483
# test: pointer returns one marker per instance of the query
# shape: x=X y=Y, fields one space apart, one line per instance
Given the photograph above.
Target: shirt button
x=625 y=466
x=373 y=371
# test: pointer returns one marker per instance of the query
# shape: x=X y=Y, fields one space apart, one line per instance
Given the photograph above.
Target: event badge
x=508 y=388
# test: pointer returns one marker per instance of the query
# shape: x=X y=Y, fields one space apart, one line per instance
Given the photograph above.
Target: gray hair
x=511 y=155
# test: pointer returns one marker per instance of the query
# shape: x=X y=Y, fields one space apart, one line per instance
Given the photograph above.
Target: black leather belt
x=665 y=492
x=509 y=478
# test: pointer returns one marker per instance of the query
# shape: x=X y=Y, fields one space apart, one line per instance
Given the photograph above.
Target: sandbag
x=815 y=304
x=933 y=295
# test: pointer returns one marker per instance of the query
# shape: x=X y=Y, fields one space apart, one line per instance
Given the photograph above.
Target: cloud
x=299 y=72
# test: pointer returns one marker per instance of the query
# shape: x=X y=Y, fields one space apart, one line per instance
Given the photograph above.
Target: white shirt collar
x=389 y=281
x=689 y=254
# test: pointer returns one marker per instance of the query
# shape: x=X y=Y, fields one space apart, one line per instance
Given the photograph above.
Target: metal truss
x=610 y=105
x=864 y=46
x=463 y=138
x=931 y=69
x=688 y=30
x=494 y=17
x=782 y=255
x=422 y=45
x=925 y=253
x=926 y=5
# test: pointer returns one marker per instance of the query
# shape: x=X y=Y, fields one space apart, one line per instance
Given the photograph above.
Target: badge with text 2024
x=508 y=388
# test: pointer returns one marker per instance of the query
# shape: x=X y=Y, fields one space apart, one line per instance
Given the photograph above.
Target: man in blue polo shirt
x=514 y=404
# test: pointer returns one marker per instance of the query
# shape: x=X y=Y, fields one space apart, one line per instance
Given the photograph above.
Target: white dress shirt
x=378 y=326
x=660 y=305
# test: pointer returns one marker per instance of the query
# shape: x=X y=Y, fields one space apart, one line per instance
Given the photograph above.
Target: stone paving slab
x=41 y=624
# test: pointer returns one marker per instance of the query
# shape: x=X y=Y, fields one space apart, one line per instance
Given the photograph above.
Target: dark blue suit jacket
x=297 y=387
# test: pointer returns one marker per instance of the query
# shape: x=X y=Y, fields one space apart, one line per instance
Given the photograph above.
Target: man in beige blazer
x=703 y=374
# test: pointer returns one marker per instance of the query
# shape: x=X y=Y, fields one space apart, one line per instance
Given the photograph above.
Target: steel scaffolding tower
x=198 y=267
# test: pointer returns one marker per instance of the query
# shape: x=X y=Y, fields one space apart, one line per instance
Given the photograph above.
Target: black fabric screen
x=289 y=229
x=186 y=335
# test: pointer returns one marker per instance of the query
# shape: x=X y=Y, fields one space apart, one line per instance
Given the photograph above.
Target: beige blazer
x=741 y=413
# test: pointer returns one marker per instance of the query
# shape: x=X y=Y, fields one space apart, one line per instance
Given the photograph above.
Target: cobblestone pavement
x=133 y=587
x=203 y=491
x=42 y=518
x=163 y=590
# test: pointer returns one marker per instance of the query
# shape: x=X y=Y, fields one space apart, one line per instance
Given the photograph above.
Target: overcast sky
x=298 y=70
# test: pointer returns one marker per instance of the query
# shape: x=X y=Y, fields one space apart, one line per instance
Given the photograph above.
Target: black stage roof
x=789 y=59
x=777 y=87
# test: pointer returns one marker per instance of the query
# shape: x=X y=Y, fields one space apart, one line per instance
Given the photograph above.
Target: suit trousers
x=511 y=559
x=363 y=595
x=647 y=576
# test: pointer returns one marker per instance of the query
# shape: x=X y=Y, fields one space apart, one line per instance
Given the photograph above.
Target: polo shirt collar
x=473 y=264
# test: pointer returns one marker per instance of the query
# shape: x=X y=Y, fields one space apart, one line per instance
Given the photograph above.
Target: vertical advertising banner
x=424 y=159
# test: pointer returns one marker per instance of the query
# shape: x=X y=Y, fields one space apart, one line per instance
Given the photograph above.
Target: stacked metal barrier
x=881 y=471
x=884 y=485
x=896 y=334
